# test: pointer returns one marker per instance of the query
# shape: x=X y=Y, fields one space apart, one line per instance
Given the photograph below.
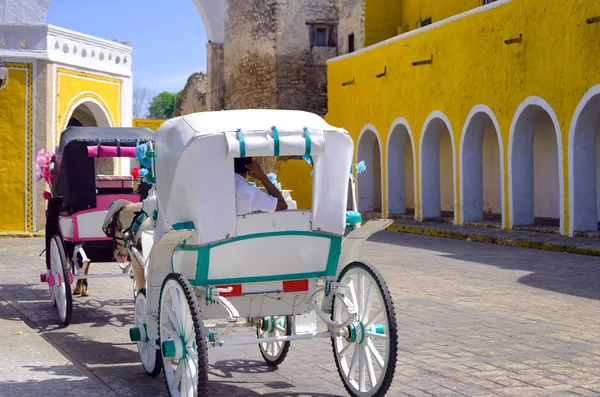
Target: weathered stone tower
x=275 y=53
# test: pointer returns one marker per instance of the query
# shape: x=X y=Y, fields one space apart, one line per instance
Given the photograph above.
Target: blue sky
x=168 y=37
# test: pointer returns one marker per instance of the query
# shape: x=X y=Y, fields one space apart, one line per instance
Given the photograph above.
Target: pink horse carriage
x=78 y=206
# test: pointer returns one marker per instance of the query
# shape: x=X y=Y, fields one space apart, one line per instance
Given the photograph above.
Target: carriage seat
x=110 y=184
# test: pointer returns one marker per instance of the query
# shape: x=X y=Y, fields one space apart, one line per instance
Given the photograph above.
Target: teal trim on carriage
x=183 y=226
x=203 y=261
x=240 y=136
x=308 y=142
x=276 y=141
x=353 y=217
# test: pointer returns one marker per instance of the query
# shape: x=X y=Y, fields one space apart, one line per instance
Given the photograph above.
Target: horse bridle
x=139 y=218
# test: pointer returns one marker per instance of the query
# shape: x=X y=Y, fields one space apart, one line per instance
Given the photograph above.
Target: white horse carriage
x=208 y=271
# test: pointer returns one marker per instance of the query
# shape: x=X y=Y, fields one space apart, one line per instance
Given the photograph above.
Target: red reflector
x=295 y=286
x=237 y=290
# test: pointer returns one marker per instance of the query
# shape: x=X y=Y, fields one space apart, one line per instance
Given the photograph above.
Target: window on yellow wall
x=426 y=22
x=488 y=1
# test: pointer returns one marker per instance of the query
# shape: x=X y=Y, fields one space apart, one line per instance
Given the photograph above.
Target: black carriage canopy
x=74 y=171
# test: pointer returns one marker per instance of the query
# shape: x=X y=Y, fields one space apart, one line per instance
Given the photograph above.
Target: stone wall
x=301 y=69
x=249 y=51
x=193 y=96
x=351 y=21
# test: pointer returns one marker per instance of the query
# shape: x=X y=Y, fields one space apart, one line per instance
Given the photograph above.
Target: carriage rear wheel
x=149 y=355
x=59 y=272
x=366 y=353
x=184 y=353
x=274 y=352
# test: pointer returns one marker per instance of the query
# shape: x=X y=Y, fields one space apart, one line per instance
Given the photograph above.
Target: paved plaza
x=474 y=319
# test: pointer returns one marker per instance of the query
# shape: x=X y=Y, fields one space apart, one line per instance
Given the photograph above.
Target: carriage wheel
x=59 y=271
x=365 y=354
x=274 y=352
x=183 y=339
x=149 y=356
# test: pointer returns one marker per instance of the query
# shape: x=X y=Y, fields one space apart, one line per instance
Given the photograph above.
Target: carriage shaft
x=111 y=275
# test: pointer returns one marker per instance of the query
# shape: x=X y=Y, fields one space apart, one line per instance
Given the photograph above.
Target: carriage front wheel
x=149 y=355
x=60 y=280
x=365 y=353
x=272 y=326
x=183 y=339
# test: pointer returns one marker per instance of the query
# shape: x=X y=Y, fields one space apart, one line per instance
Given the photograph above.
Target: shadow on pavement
x=34 y=303
x=576 y=275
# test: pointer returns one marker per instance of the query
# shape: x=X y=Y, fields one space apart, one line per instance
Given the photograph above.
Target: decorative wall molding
x=51 y=43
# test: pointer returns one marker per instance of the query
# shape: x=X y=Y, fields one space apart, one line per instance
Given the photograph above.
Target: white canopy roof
x=194 y=165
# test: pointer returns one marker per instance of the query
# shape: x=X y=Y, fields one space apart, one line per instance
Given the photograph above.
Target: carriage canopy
x=74 y=161
x=194 y=166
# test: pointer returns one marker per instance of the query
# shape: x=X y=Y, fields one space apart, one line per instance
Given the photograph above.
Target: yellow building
x=478 y=112
x=52 y=78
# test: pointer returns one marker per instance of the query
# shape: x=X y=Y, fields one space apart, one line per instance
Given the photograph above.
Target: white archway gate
x=536 y=183
x=437 y=165
x=369 y=182
x=584 y=153
x=401 y=169
x=482 y=167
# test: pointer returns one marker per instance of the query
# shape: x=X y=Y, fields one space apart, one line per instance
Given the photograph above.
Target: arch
x=97 y=106
x=398 y=187
x=89 y=112
x=212 y=13
x=430 y=165
x=533 y=114
x=370 y=182
x=583 y=163
x=473 y=189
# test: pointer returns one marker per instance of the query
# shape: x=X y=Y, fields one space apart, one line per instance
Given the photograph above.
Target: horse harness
x=115 y=225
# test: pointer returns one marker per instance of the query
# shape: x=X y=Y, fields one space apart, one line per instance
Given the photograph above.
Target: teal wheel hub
x=377 y=329
x=168 y=348
x=135 y=334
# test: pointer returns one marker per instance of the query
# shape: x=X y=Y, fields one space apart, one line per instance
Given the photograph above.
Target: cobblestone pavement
x=474 y=319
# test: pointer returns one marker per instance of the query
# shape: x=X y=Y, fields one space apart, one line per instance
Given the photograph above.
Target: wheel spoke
x=184 y=379
x=172 y=333
x=367 y=309
x=353 y=294
x=353 y=363
x=361 y=369
x=376 y=354
x=375 y=335
x=179 y=310
x=370 y=369
x=193 y=356
x=191 y=381
x=375 y=318
x=173 y=317
x=344 y=349
x=177 y=376
x=361 y=294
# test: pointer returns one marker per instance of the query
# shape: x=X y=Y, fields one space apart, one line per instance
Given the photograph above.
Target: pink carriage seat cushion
x=114 y=182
